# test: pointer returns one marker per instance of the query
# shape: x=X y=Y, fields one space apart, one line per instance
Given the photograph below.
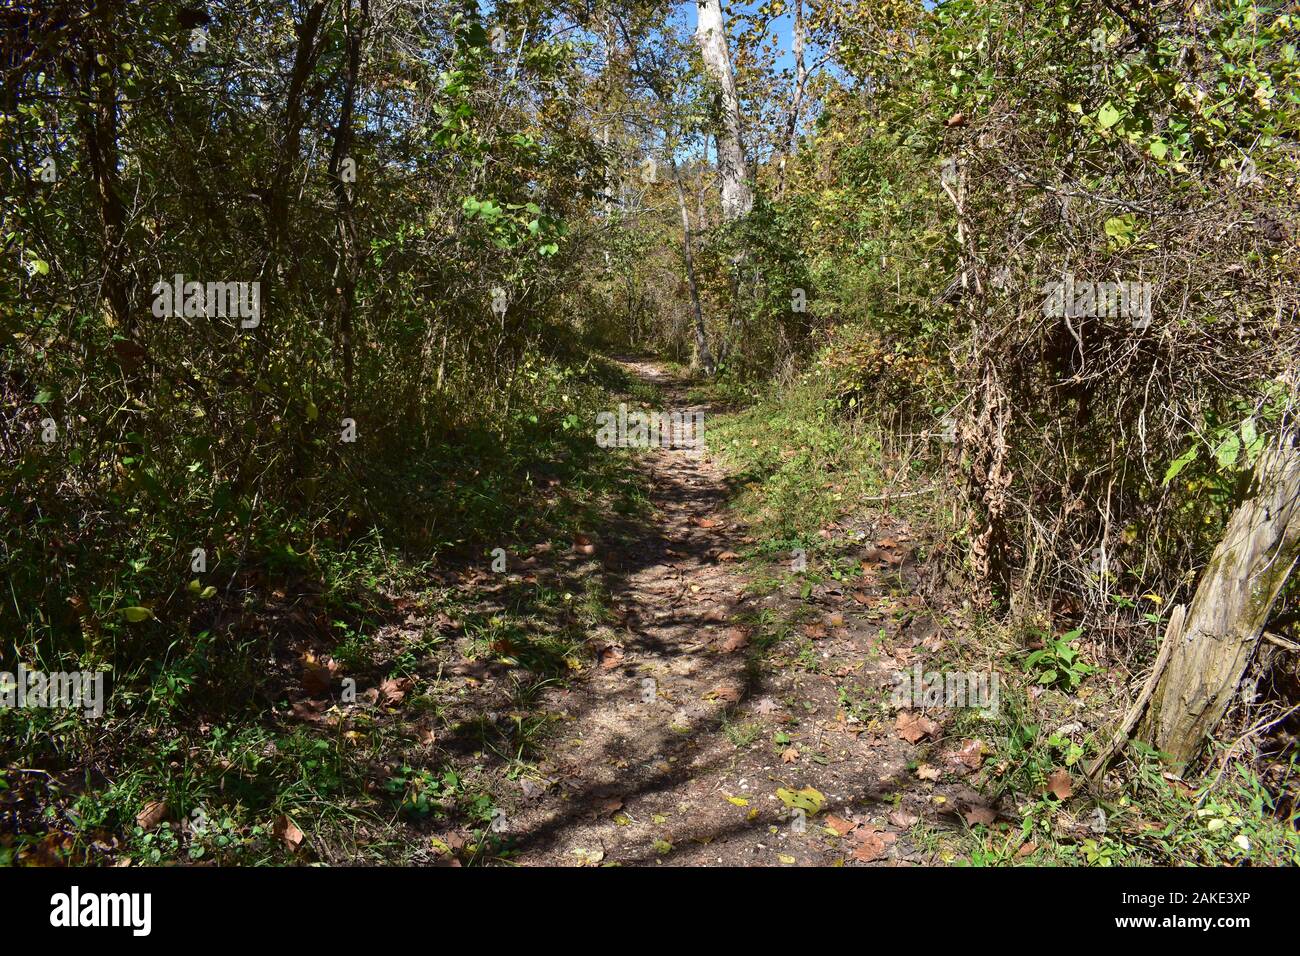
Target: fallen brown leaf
x=309 y=710
x=980 y=815
x=970 y=754
x=839 y=824
x=392 y=690
x=315 y=676
x=903 y=820
x=1060 y=784
x=153 y=814
x=913 y=725
x=289 y=834
x=736 y=638
x=723 y=692
x=873 y=843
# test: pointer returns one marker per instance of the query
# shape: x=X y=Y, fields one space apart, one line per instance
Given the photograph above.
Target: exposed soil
x=713 y=709
x=679 y=741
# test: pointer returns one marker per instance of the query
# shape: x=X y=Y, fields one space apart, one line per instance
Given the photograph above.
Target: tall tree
x=733 y=170
x=797 y=44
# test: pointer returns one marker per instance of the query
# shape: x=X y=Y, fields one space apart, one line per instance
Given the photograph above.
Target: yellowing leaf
x=808 y=799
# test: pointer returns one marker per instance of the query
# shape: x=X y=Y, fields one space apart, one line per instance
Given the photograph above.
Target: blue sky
x=780 y=27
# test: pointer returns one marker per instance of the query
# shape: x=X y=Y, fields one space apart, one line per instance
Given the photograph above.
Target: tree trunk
x=347 y=265
x=702 y=353
x=733 y=171
x=1228 y=612
x=278 y=218
x=796 y=98
x=100 y=129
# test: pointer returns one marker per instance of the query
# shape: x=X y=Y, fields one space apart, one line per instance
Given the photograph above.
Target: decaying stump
x=1227 y=615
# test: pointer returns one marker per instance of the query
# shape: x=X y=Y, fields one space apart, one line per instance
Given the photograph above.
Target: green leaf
x=1108 y=116
x=1228 y=451
x=1248 y=432
x=1179 y=463
x=1158 y=148
x=1120 y=228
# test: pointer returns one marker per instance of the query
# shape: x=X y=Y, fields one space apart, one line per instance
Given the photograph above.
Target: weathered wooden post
x=1228 y=612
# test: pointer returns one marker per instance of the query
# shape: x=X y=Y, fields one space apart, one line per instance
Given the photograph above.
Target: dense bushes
x=397 y=188
x=1000 y=147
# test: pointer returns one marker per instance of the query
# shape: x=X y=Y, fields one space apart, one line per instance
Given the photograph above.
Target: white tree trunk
x=733 y=171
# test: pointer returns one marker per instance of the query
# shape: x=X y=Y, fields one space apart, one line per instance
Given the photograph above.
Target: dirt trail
x=645 y=738
x=679 y=740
